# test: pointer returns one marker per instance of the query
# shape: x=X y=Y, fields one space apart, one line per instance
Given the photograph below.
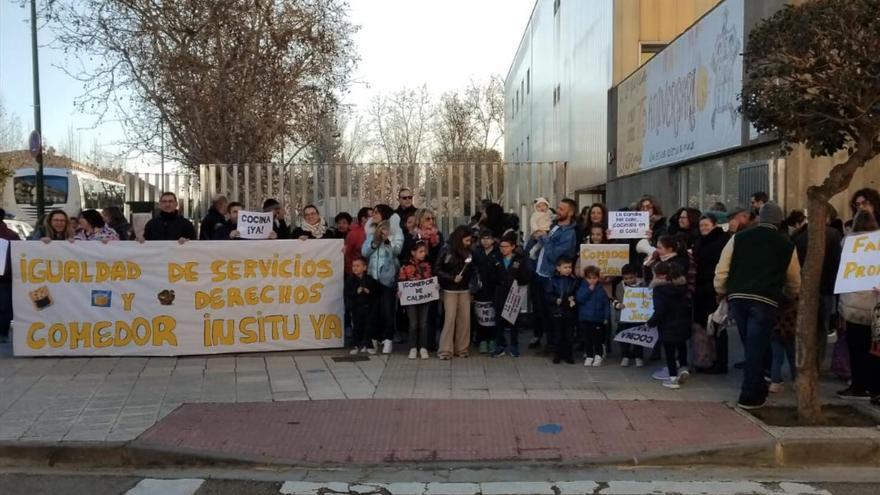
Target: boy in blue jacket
x=560 y=297
x=594 y=312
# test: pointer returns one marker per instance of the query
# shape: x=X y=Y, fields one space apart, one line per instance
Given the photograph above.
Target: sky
x=402 y=43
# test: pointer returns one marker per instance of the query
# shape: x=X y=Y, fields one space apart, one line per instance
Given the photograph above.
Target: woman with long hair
x=55 y=227
x=454 y=269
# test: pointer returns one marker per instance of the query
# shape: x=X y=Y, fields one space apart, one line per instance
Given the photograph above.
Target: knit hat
x=771 y=213
x=542 y=200
x=270 y=204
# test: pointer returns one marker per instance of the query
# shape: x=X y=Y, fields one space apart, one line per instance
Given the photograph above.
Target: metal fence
x=454 y=191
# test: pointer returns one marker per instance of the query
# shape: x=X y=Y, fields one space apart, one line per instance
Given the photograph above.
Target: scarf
x=429 y=235
x=318 y=230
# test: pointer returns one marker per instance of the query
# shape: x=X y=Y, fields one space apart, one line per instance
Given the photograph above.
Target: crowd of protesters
x=710 y=271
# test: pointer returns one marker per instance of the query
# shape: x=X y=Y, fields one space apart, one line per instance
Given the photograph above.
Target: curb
x=852 y=452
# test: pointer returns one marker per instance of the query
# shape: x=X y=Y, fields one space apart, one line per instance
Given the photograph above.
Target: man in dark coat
x=169 y=225
x=215 y=218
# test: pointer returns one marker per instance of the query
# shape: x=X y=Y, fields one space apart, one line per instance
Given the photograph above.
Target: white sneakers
x=588 y=361
x=597 y=361
x=413 y=353
x=354 y=351
x=624 y=363
x=386 y=346
x=424 y=353
x=640 y=362
x=675 y=382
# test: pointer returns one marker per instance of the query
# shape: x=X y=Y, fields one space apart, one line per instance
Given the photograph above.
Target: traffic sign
x=35 y=142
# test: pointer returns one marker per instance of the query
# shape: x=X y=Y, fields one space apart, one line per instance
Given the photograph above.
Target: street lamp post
x=38 y=126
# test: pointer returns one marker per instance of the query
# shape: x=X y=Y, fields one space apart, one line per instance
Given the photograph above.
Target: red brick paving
x=412 y=430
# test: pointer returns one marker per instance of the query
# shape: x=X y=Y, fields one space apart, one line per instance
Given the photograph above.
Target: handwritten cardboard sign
x=859 y=263
x=513 y=303
x=610 y=258
x=638 y=304
x=629 y=224
x=418 y=291
x=254 y=225
x=642 y=336
x=485 y=312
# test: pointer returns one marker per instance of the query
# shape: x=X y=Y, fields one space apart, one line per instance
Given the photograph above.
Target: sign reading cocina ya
x=162 y=298
x=859 y=263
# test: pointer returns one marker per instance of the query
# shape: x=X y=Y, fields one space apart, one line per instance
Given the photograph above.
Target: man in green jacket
x=757 y=270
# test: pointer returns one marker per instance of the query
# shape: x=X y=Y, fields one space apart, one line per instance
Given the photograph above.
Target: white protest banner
x=513 y=303
x=629 y=224
x=638 y=304
x=166 y=299
x=254 y=225
x=859 y=263
x=418 y=291
x=610 y=258
x=485 y=312
x=642 y=336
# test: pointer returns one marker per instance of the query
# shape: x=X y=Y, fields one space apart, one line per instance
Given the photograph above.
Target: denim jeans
x=783 y=348
x=755 y=321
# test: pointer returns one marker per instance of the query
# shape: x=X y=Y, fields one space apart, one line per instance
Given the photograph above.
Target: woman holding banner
x=313 y=226
x=93 y=228
x=55 y=227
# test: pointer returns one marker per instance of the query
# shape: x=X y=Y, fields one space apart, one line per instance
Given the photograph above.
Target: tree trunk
x=806 y=388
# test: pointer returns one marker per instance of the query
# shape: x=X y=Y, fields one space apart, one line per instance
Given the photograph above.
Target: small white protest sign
x=638 y=304
x=642 y=336
x=629 y=224
x=485 y=311
x=513 y=303
x=254 y=225
x=418 y=291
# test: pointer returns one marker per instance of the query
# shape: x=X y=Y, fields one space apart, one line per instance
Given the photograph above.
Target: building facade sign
x=683 y=103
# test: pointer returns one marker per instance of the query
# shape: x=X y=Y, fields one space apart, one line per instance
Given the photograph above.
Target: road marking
x=166 y=487
x=562 y=488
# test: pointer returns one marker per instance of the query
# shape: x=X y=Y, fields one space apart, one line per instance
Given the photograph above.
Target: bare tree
x=230 y=81
x=71 y=147
x=486 y=101
x=11 y=130
x=401 y=124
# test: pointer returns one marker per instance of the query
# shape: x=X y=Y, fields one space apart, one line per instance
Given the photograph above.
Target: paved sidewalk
x=402 y=430
x=117 y=399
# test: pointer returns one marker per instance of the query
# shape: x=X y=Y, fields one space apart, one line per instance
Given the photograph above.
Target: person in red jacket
x=356 y=236
x=6 y=281
x=417 y=268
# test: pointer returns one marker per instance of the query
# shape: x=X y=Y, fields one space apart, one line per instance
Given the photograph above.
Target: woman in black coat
x=707 y=252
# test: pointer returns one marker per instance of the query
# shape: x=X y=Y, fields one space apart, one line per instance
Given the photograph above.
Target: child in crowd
x=417 y=268
x=360 y=294
x=540 y=222
x=512 y=268
x=561 y=292
x=486 y=259
x=672 y=317
x=630 y=352
x=594 y=311
x=598 y=235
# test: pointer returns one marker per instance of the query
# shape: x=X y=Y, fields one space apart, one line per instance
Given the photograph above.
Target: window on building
x=528 y=81
x=556 y=4
x=648 y=50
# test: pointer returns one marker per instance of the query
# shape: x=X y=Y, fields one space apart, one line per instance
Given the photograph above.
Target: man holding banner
x=170 y=225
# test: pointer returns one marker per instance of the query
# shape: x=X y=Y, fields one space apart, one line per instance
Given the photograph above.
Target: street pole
x=38 y=125
x=162 y=154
